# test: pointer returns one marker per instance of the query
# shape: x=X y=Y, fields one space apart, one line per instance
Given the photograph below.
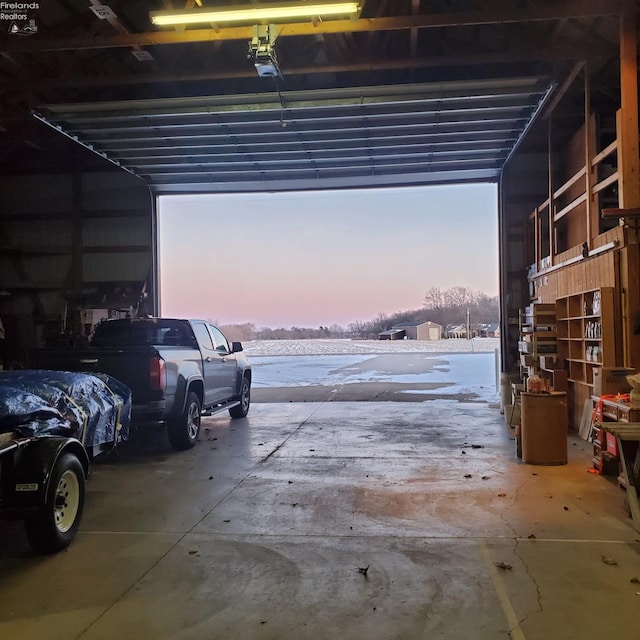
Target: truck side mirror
x=236 y=347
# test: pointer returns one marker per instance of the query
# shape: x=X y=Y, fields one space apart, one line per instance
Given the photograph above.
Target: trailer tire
x=183 y=431
x=55 y=525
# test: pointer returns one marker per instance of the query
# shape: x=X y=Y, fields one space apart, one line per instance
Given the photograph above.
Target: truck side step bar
x=219 y=408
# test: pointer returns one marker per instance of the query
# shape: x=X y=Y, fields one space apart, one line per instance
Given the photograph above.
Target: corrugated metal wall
x=65 y=238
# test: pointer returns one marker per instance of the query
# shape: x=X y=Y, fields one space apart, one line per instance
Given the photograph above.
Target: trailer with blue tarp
x=51 y=424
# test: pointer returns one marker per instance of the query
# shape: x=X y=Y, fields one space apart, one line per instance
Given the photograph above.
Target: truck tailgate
x=130 y=366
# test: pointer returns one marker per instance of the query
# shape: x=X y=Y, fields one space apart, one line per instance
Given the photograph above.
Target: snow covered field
x=434 y=367
x=344 y=347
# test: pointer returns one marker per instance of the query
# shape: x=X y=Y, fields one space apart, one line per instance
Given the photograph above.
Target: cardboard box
x=551 y=362
x=611 y=380
x=528 y=360
x=607 y=464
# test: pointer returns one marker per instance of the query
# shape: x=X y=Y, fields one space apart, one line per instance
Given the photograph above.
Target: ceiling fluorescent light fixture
x=254 y=13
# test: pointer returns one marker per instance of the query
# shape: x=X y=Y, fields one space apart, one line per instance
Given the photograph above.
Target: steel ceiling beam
x=581 y=9
x=512 y=55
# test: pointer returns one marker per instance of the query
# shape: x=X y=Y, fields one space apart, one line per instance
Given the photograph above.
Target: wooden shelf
x=538 y=345
x=537 y=330
x=586 y=333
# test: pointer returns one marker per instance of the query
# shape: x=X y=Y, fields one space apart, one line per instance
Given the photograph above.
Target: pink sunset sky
x=312 y=259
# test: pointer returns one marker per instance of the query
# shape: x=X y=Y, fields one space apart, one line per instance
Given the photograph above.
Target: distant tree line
x=450 y=306
x=246 y=332
x=442 y=306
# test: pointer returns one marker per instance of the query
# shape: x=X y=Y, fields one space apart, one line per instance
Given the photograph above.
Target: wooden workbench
x=618 y=410
x=630 y=461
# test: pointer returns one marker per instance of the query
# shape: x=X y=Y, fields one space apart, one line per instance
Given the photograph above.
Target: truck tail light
x=157 y=374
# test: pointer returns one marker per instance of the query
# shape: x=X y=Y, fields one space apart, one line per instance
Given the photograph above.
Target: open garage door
x=418 y=134
x=405 y=93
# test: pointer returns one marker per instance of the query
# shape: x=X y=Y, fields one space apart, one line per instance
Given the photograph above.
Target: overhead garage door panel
x=352 y=137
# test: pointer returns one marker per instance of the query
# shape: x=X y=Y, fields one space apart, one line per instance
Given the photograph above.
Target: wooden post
x=629 y=176
x=537 y=238
x=589 y=178
x=552 y=240
x=627 y=117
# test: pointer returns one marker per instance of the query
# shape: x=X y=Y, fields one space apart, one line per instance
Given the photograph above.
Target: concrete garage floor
x=319 y=519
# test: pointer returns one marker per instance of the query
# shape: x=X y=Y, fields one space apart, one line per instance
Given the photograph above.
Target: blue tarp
x=94 y=408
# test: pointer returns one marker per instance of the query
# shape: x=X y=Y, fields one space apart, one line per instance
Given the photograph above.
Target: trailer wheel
x=55 y=525
x=183 y=431
x=241 y=410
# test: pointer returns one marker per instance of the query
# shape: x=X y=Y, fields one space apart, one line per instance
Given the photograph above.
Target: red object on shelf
x=617 y=397
x=612 y=444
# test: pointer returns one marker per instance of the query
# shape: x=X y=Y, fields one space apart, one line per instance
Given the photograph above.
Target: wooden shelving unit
x=538 y=330
x=585 y=333
x=538 y=346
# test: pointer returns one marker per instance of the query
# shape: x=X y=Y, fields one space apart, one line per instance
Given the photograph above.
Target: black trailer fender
x=32 y=471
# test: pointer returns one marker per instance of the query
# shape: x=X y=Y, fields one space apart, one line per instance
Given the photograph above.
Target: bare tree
x=459 y=297
x=239 y=332
x=452 y=305
x=434 y=299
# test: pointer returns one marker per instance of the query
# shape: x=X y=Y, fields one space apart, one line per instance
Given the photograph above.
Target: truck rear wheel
x=241 y=410
x=55 y=525
x=183 y=431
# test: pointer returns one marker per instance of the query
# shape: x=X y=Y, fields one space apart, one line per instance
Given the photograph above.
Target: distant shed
x=392 y=334
x=420 y=330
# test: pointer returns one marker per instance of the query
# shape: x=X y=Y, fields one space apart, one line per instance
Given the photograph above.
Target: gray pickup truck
x=177 y=370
